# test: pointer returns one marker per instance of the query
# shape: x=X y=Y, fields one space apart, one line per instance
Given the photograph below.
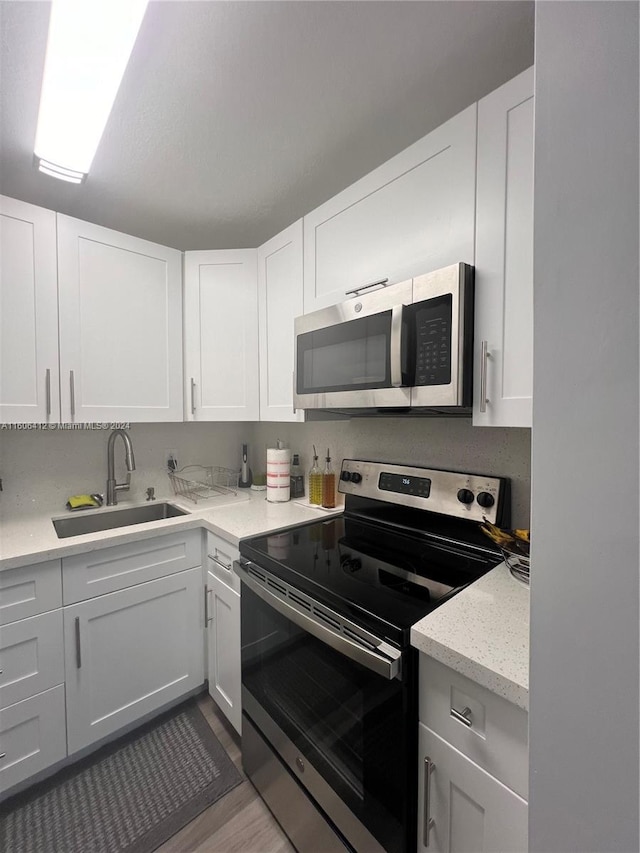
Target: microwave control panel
x=433 y=341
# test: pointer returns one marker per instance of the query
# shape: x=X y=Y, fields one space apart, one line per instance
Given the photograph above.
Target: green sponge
x=82 y=502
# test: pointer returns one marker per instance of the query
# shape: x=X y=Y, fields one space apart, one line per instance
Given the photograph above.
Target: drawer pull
x=3 y=755
x=220 y=563
x=429 y=822
x=465 y=716
x=78 y=653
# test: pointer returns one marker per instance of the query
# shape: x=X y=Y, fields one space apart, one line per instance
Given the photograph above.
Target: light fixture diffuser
x=88 y=48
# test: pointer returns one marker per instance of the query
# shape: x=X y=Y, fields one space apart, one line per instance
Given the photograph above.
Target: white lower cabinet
x=32 y=736
x=223 y=616
x=130 y=652
x=462 y=809
x=473 y=766
x=223 y=628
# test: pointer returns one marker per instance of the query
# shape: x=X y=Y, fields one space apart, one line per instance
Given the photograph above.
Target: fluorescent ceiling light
x=88 y=48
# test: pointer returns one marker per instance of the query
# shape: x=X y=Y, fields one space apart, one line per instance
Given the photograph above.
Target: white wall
x=584 y=577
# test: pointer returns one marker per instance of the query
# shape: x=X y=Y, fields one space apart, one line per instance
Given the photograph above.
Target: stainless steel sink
x=79 y=525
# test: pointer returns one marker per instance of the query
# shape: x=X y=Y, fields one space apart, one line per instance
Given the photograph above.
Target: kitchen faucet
x=112 y=487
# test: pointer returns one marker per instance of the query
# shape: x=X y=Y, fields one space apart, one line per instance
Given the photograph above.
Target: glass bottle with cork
x=315 y=482
x=328 y=484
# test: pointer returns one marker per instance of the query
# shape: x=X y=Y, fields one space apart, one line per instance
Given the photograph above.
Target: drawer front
x=220 y=557
x=32 y=736
x=31 y=657
x=497 y=737
x=122 y=566
x=30 y=590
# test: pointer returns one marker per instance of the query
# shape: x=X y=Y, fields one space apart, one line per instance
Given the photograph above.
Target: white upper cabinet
x=221 y=336
x=279 y=303
x=28 y=314
x=503 y=359
x=413 y=214
x=120 y=326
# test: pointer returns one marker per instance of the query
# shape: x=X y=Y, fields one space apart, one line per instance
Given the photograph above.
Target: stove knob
x=356 y=477
x=485 y=499
x=465 y=496
x=346 y=476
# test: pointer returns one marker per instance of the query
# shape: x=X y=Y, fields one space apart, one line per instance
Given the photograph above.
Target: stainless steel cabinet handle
x=72 y=393
x=3 y=755
x=465 y=716
x=429 y=822
x=209 y=609
x=485 y=355
x=78 y=652
x=395 y=346
x=220 y=563
x=193 y=396
x=206 y=606
x=357 y=290
x=47 y=385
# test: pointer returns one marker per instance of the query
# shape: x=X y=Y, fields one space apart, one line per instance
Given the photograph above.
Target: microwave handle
x=395 y=346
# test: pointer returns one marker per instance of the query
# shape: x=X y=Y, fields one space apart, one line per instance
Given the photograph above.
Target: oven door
x=344 y=730
x=355 y=354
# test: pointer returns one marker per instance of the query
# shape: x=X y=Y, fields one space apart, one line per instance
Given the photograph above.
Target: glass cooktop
x=386 y=576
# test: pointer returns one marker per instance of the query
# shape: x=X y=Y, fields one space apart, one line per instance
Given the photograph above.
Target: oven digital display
x=420 y=487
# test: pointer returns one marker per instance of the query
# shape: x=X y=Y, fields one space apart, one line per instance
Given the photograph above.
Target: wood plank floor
x=239 y=822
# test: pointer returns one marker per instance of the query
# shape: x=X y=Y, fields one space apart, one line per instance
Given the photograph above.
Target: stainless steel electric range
x=329 y=680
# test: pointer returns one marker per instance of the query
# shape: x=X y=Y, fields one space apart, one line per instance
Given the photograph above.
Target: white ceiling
x=235 y=118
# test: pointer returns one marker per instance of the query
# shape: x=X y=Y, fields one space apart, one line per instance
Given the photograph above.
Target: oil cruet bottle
x=315 y=482
x=328 y=484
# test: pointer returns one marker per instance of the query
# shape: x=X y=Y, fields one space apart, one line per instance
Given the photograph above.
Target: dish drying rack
x=199 y=482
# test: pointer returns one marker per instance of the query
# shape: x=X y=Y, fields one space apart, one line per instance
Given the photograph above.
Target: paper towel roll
x=278 y=474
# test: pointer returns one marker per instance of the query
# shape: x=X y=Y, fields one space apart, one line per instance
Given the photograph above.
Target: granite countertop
x=31 y=538
x=483 y=633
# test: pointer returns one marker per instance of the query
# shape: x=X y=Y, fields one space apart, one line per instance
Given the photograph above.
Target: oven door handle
x=388 y=664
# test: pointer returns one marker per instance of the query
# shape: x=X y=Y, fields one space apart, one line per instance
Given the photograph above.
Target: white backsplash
x=41 y=469
x=433 y=442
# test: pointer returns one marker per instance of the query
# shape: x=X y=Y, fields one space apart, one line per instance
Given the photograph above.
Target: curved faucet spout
x=112 y=486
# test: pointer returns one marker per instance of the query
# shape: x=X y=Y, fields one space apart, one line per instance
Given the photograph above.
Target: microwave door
x=354 y=355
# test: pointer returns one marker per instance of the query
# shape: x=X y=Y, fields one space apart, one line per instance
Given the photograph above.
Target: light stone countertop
x=31 y=538
x=483 y=633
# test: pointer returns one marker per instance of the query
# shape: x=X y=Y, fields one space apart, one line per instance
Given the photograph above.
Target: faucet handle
x=151 y=494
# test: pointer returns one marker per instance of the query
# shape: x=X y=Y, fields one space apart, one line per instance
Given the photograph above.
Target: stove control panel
x=470 y=496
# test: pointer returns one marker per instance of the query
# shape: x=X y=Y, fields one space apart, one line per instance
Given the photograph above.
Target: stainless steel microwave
x=405 y=346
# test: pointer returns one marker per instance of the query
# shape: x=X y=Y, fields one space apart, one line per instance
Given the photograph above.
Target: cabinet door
x=120 y=326
x=221 y=336
x=29 y=385
x=279 y=303
x=223 y=616
x=471 y=811
x=412 y=215
x=130 y=652
x=504 y=256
